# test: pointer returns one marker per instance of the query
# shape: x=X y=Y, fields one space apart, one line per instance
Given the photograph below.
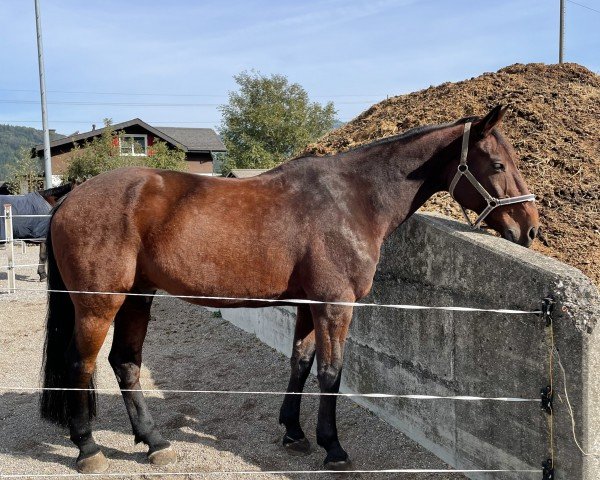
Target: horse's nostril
x=532 y=233
x=510 y=235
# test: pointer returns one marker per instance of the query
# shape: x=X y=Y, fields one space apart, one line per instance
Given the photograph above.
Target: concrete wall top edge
x=578 y=297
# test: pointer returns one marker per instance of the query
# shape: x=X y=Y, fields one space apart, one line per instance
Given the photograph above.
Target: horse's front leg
x=331 y=328
x=41 y=270
x=303 y=354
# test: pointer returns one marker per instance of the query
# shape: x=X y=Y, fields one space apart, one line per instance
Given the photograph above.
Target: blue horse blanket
x=29 y=204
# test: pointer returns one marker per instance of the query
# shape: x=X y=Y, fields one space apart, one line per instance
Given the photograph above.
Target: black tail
x=60 y=322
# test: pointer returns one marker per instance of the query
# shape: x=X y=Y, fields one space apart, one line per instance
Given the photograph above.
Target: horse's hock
x=435 y=261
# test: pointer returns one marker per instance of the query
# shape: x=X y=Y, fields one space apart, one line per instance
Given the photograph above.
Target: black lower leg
x=80 y=411
x=301 y=362
x=289 y=415
x=142 y=423
x=327 y=436
x=143 y=426
x=41 y=270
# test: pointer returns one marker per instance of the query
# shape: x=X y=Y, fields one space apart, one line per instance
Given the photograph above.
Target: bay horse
x=311 y=228
x=33 y=230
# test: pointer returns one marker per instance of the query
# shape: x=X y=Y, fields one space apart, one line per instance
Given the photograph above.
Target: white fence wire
x=11 y=266
x=262 y=473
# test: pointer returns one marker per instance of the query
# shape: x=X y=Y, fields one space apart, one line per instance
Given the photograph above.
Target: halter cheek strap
x=492 y=202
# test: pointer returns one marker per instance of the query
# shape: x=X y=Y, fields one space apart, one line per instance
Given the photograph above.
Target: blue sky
x=184 y=54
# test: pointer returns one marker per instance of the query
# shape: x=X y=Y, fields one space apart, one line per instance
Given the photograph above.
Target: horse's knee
x=304 y=365
x=329 y=378
x=301 y=364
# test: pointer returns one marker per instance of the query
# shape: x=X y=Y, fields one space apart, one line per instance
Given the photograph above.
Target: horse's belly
x=215 y=269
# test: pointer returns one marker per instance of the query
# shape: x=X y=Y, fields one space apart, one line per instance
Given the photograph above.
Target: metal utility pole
x=561 y=44
x=47 y=160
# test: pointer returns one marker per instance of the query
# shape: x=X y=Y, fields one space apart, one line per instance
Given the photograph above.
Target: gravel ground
x=187 y=347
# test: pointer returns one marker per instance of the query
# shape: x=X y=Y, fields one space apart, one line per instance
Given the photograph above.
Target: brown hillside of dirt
x=554 y=125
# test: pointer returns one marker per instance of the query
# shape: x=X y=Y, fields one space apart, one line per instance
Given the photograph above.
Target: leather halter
x=492 y=202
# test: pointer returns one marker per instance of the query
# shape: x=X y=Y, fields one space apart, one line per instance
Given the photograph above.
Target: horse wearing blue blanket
x=33 y=229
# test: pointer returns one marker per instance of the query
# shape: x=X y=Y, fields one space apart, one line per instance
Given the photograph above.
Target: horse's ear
x=484 y=126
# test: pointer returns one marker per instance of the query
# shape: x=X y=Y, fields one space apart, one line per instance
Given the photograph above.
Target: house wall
x=436 y=261
x=60 y=162
x=199 y=162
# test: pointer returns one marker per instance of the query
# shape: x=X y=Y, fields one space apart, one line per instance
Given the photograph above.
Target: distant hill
x=13 y=138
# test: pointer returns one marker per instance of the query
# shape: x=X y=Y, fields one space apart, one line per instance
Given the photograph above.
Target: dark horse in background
x=311 y=228
x=33 y=230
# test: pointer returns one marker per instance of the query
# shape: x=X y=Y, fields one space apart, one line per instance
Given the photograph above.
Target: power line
x=101 y=122
x=133 y=104
x=117 y=93
x=169 y=94
x=584 y=6
x=117 y=104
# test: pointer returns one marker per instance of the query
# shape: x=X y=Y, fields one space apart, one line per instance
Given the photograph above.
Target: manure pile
x=554 y=125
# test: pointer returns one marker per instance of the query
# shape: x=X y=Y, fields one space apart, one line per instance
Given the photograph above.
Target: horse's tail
x=60 y=323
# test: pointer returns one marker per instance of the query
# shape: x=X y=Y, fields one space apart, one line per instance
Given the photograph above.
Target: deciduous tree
x=270 y=119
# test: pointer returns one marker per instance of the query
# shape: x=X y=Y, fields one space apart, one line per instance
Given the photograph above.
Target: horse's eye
x=499 y=167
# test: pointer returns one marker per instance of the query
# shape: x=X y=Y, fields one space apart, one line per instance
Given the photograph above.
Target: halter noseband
x=492 y=202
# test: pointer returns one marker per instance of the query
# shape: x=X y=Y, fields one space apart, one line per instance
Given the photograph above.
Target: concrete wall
x=435 y=261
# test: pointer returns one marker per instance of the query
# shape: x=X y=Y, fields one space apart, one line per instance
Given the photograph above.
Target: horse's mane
x=57 y=192
x=414 y=132
x=408 y=134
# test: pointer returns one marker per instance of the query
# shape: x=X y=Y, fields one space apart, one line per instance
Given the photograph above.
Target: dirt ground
x=554 y=125
x=187 y=347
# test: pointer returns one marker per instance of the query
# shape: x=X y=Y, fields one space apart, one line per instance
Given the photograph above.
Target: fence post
x=8 y=228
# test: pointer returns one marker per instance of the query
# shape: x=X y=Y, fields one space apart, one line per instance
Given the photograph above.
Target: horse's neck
x=404 y=174
x=50 y=199
x=52 y=196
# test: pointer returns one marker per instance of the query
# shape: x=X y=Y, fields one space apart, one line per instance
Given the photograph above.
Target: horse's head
x=485 y=179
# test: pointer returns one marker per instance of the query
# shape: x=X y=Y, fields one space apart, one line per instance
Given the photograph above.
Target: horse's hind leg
x=89 y=334
x=126 y=359
x=303 y=354
x=41 y=270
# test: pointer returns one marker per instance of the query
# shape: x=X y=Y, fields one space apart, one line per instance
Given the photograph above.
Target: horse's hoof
x=296 y=447
x=339 y=465
x=337 y=460
x=97 y=463
x=43 y=279
x=163 y=457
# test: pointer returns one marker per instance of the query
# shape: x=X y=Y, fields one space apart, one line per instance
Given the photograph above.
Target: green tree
x=165 y=157
x=25 y=174
x=103 y=153
x=268 y=120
